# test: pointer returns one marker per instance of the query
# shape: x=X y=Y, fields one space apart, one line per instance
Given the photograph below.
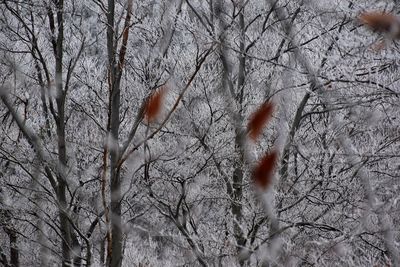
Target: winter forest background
x=199 y=133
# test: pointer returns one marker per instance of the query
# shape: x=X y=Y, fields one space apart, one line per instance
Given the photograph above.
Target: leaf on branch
x=259 y=119
x=154 y=104
x=382 y=22
x=263 y=172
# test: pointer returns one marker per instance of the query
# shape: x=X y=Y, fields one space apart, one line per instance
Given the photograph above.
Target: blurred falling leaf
x=382 y=22
x=263 y=172
x=154 y=104
x=258 y=120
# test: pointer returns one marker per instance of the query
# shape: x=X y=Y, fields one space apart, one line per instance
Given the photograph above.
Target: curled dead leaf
x=154 y=104
x=259 y=119
x=263 y=172
x=382 y=22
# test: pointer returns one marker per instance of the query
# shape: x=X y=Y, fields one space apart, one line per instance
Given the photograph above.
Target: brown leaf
x=263 y=172
x=154 y=105
x=382 y=22
x=258 y=120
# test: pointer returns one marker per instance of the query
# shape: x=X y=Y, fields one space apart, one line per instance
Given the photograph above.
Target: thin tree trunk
x=61 y=145
x=236 y=194
x=14 y=251
x=115 y=249
x=12 y=235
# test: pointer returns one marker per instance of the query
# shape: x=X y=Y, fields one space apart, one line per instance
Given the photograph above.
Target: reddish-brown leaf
x=154 y=105
x=258 y=119
x=382 y=22
x=263 y=172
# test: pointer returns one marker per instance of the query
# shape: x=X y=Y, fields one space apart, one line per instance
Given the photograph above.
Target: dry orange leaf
x=263 y=172
x=259 y=119
x=382 y=22
x=154 y=104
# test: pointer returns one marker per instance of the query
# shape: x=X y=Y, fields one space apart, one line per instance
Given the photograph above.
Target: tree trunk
x=115 y=248
x=14 y=252
x=61 y=145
